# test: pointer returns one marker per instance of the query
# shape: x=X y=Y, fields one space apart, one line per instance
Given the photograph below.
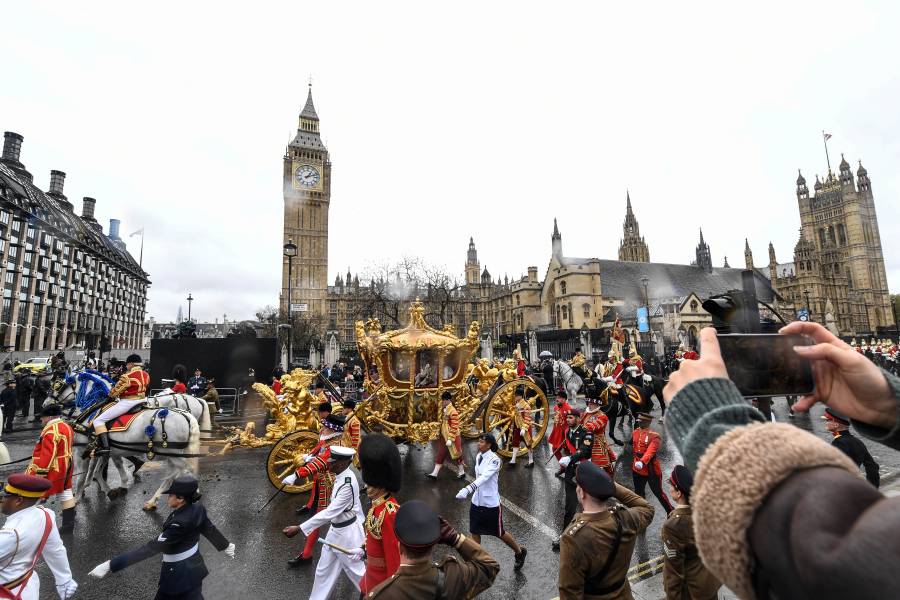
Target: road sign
x=803 y=314
x=299 y=307
x=642 y=319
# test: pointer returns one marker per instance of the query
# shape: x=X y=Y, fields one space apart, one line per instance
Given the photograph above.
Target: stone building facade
x=838 y=269
x=65 y=282
x=574 y=298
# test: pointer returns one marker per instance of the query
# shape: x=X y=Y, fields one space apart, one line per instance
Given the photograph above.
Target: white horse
x=65 y=396
x=571 y=381
x=196 y=406
x=174 y=434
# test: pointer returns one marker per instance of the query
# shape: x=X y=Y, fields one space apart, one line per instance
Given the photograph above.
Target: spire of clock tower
x=308 y=127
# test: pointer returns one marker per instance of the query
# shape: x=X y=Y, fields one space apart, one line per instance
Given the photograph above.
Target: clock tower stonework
x=307 y=196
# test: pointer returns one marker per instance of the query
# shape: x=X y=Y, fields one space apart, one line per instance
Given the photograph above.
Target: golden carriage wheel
x=285 y=454
x=499 y=417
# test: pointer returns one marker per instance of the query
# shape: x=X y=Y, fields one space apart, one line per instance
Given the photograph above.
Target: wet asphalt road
x=235 y=486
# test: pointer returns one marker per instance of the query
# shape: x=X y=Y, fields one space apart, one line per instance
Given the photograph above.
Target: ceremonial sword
x=272 y=498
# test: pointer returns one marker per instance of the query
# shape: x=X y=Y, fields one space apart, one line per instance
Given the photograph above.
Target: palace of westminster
x=837 y=271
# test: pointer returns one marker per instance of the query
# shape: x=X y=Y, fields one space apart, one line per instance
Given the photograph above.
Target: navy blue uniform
x=183 y=569
x=859 y=454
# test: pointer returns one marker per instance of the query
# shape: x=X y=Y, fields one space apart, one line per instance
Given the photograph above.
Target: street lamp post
x=896 y=325
x=290 y=251
x=808 y=309
x=189 y=299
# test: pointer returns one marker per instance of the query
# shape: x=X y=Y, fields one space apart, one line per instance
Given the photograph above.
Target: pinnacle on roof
x=746 y=245
x=555 y=228
x=726 y=265
x=627 y=202
x=862 y=170
x=701 y=236
x=845 y=166
x=800 y=178
x=309 y=111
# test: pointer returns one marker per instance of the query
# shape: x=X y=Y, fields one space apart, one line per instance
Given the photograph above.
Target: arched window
x=562 y=287
x=586 y=308
x=565 y=313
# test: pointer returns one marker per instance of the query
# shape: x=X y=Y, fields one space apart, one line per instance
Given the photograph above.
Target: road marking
x=524 y=515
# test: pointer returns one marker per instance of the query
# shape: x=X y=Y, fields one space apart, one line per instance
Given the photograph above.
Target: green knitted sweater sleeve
x=887 y=437
x=704 y=410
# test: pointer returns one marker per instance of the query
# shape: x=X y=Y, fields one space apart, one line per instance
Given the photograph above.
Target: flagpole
x=825 y=141
x=141 y=259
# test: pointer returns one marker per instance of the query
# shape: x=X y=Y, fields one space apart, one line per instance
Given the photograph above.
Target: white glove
x=100 y=571
x=229 y=551
x=449 y=443
x=522 y=432
x=638 y=465
x=307 y=457
x=67 y=589
x=463 y=493
x=358 y=554
x=564 y=461
x=290 y=479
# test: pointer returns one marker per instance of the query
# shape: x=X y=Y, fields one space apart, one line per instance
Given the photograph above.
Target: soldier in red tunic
x=381 y=472
x=352 y=429
x=691 y=354
x=558 y=433
x=316 y=466
x=594 y=421
x=129 y=391
x=449 y=442
x=645 y=465
x=52 y=459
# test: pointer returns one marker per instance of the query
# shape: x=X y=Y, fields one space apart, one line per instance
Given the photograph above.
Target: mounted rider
x=612 y=368
x=578 y=363
x=130 y=390
x=635 y=364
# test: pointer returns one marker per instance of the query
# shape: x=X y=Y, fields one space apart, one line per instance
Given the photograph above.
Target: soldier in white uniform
x=28 y=534
x=344 y=514
x=485 y=513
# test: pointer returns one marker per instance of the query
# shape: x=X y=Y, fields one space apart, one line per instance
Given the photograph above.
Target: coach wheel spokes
x=284 y=456
x=499 y=417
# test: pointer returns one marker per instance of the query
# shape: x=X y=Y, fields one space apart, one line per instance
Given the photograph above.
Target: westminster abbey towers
x=307 y=196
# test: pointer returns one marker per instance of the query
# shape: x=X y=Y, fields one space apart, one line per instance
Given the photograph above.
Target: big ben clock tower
x=307 y=195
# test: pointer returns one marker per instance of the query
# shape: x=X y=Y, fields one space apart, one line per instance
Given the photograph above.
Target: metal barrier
x=229 y=399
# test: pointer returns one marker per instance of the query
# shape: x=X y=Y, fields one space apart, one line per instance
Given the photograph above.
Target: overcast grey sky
x=444 y=121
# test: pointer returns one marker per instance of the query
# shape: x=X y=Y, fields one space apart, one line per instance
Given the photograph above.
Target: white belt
x=181 y=555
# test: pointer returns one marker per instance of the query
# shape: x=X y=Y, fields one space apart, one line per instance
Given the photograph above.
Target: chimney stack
x=57 y=181
x=532 y=274
x=12 y=146
x=114 y=229
x=87 y=208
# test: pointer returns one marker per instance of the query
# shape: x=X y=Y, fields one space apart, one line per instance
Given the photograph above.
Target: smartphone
x=764 y=364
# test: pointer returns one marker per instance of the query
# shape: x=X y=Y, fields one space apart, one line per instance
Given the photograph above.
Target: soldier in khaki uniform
x=418 y=530
x=596 y=549
x=684 y=575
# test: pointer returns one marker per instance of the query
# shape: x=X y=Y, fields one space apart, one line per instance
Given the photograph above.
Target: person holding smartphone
x=777 y=511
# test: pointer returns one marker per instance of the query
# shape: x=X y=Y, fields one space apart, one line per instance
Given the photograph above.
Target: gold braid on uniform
x=373 y=523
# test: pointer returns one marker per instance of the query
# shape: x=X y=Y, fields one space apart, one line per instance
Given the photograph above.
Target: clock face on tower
x=307 y=176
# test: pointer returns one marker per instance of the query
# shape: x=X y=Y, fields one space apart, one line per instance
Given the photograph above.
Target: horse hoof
x=149 y=507
x=112 y=494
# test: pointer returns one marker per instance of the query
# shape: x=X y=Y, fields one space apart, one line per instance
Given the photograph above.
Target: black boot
x=102 y=444
x=68 y=520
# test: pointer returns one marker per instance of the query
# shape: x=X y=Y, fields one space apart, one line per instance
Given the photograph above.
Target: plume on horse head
x=91 y=387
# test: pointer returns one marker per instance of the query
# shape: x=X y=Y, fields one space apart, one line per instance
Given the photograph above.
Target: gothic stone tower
x=840 y=221
x=632 y=247
x=307 y=195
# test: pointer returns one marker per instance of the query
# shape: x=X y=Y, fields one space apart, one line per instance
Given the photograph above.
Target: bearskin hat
x=379 y=461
